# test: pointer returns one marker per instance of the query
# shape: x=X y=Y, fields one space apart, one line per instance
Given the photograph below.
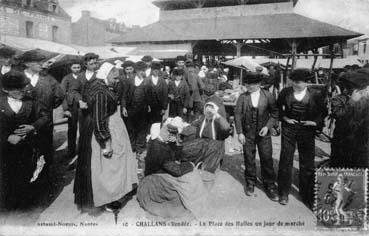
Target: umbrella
x=245 y=63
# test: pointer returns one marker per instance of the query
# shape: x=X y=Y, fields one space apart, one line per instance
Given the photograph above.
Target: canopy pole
x=241 y=76
x=294 y=51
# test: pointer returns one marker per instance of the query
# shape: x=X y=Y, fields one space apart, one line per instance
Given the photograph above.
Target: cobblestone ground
x=227 y=200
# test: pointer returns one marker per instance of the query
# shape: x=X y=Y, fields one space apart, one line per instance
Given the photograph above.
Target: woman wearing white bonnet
x=111 y=169
x=171 y=187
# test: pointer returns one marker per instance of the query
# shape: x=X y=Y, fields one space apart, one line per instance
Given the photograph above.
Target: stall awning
x=161 y=51
x=106 y=52
x=25 y=44
x=308 y=63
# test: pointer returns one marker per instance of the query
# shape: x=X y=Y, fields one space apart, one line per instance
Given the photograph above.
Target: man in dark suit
x=135 y=106
x=148 y=61
x=47 y=93
x=302 y=111
x=72 y=88
x=256 y=113
x=6 y=55
x=159 y=95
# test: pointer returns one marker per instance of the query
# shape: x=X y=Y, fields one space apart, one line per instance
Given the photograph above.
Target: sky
x=350 y=14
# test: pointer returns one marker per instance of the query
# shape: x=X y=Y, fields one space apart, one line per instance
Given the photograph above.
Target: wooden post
x=293 y=51
x=239 y=47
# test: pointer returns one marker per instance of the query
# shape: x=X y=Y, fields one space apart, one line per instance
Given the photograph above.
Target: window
x=29 y=29
x=364 y=48
x=55 y=33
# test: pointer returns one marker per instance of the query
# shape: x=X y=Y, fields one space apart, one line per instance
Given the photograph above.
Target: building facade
x=359 y=48
x=90 y=31
x=40 y=19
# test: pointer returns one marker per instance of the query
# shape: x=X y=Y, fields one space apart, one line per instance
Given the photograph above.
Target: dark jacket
x=165 y=158
x=267 y=113
x=221 y=127
x=159 y=94
x=127 y=99
x=85 y=84
x=72 y=88
x=317 y=107
x=48 y=96
x=181 y=93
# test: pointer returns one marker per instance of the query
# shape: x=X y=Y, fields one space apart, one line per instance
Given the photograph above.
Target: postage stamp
x=341 y=198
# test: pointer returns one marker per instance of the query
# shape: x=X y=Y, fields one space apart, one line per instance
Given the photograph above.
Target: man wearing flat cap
x=135 y=106
x=159 y=94
x=148 y=61
x=48 y=95
x=72 y=88
x=302 y=111
x=350 y=110
x=6 y=55
x=256 y=113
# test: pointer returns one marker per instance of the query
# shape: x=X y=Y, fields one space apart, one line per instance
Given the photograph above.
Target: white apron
x=113 y=178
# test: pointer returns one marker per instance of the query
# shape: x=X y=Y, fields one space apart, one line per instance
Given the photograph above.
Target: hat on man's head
x=258 y=69
x=32 y=56
x=14 y=80
x=358 y=79
x=140 y=65
x=251 y=78
x=7 y=52
x=156 y=65
x=189 y=64
x=128 y=64
x=147 y=58
x=301 y=74
x=75 y=61
x=181 y=58
x=90 y=56
x=177 y=72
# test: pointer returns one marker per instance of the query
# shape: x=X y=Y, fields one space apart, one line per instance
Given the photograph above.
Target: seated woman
x=171 y=188
x=204 y=139
x=20 y=119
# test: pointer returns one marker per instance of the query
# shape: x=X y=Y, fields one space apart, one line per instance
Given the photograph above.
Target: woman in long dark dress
x=18 y=124
x=107 y=168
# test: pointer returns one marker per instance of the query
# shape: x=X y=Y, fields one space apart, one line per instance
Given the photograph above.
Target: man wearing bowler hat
x=48 y=95
x=135 y=108
x=256 y=113
x=302 y=111
x=6 y=55
x=148 y=61
x=159 y=94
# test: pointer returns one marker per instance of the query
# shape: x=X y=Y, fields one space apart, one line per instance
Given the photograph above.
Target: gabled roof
x=161 y=3
x=277 y=26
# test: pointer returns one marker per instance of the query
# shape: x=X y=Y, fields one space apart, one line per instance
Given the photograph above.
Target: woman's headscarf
x=103 y=71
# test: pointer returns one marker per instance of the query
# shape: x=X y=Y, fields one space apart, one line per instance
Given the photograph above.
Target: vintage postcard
x=184 y=117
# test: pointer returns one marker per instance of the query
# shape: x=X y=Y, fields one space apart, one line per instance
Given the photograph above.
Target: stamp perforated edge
x=316 y=189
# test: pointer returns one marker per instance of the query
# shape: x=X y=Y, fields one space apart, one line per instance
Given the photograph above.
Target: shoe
x=271 y=193
x=113 y=206
x=283 y=200
x=249 y=190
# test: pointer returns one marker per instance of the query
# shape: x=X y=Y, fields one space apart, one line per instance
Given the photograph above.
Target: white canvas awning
x=25 y=44
x=161 y=51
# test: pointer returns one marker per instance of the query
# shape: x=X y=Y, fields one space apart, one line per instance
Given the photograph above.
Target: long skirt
x=173 y=197
x=99 y=180
x=17 y=166
x=208 y=151
x=82 y=183
x=112 y=178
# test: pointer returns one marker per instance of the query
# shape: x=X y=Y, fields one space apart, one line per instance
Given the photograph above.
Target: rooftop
x=41 y=6
x=271 y=27
x=187 y=4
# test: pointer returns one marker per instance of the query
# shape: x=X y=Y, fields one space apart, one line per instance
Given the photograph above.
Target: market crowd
x=170 y=125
